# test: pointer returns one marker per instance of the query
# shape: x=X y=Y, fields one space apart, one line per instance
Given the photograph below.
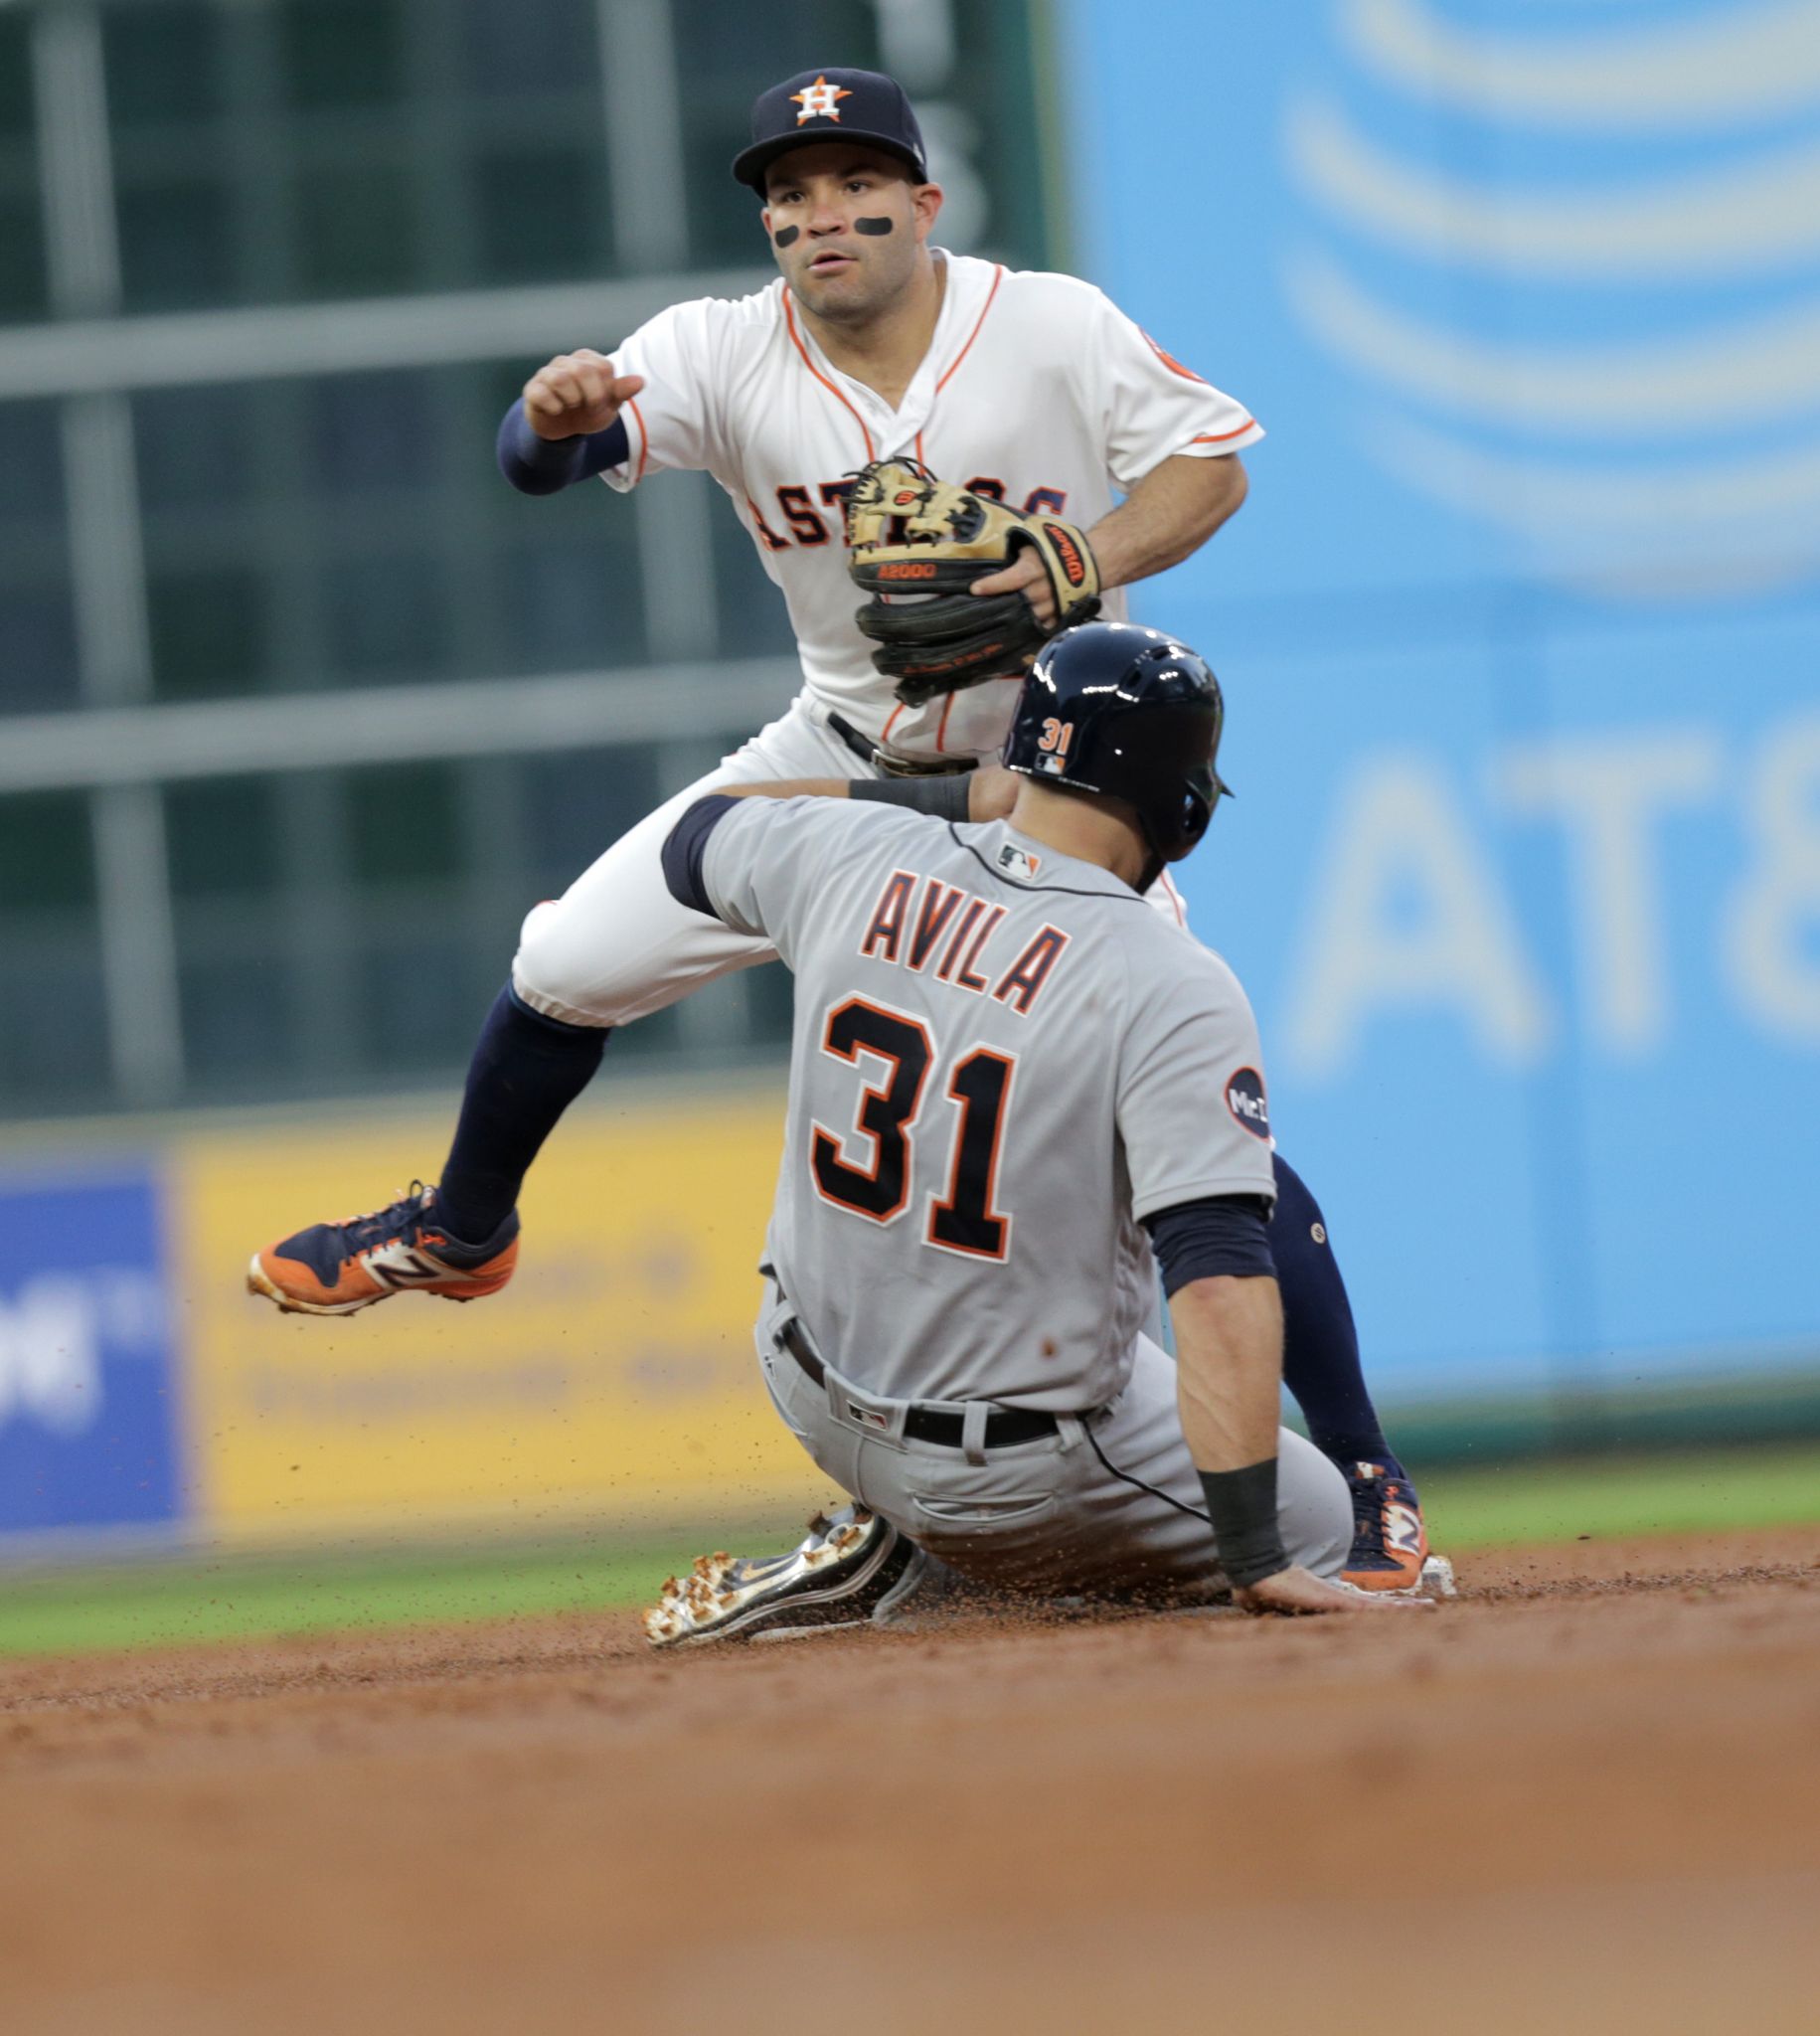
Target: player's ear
x=927 y=201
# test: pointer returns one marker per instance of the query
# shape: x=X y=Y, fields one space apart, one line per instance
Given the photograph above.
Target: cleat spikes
x=845 y=1567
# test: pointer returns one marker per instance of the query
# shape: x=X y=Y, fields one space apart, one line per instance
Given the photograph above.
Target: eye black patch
x=875 y=227
x=786 y=236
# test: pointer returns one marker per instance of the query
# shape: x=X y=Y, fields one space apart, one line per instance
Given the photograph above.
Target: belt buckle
x=887 y=765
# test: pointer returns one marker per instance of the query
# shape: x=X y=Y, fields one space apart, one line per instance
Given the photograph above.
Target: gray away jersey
x=1001 y=1058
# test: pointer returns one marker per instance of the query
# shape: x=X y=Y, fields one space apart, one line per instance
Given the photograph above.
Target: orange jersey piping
x=644 y=440
x=789 y=317
x=998 y=277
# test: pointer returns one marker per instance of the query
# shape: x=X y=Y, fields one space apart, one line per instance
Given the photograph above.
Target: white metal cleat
x=848 y=1572
x=1436 y=1579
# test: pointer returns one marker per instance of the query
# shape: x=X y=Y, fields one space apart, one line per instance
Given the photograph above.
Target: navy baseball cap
x=830 y=105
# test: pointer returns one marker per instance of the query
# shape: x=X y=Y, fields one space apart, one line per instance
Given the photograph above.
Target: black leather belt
x=879 y=759
x=933 y=1423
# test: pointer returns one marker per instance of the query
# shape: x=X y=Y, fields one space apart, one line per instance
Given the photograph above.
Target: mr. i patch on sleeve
x=1245 y=1098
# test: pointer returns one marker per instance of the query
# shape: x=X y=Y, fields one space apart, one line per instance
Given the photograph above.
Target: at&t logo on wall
x=1570 y=254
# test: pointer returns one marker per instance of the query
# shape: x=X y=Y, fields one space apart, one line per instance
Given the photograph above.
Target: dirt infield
x=1584 y=1799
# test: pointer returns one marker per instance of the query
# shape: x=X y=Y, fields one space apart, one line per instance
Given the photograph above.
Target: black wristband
x=1242 y=1507
x=944 y=795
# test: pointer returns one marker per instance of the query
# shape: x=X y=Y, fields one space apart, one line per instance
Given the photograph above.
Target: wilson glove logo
x=1073 y=564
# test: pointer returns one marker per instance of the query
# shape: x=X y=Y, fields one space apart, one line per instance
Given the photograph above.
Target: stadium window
x=24 y=279
x=754 y=621
x=53 y=1051
x=24 y=289
x=340 y=54
x=38 y=630
x=52 y=1028
x=418 y=987
x=30 y=468
x=47 y=856
x=385 y=616
x=224 y=839
x=511 y=51
x=404 y=825
x=15 y=78
x=221 y=838
x=209 y=630
x=575 y=805
x=372 y=432
x=164 y=64
x=570 y=601
x=176 y=245
x=240 y=1013
x=356 y=231
x=538 y=212
x=188 y=446
x=417 y=1003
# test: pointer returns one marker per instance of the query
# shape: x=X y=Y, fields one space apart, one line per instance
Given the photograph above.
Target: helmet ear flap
x=1196 y=813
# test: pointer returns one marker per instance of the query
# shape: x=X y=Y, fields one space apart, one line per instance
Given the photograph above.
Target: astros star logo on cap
x=820 y=100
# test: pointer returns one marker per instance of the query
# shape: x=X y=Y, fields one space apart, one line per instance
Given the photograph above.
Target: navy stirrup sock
x=526 y=1072
x=1321 y=1364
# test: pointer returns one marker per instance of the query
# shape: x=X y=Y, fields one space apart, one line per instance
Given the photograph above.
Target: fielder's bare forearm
x=1228 y=1369
x=789 y=789
x=1170 y=514
x=991 y=792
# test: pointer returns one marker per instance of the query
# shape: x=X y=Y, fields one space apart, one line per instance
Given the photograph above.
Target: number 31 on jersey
x=963 y=1216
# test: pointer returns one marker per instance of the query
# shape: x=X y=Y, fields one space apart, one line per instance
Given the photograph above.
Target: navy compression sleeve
x=685 y=846
x=543 y=467
x=1219 y=1234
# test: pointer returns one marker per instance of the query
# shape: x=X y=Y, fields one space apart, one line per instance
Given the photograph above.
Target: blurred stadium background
x=302 y=706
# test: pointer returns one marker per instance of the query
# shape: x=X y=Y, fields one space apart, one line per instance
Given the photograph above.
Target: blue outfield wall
x=91 y=1383
x=1521 y=636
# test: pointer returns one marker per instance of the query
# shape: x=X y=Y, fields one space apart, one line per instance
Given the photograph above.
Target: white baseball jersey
x=1001 y=1059
x=1035 y=389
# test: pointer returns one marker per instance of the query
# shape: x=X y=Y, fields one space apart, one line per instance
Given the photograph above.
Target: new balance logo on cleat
x=337 y=1269
x=1402 y=1530
x=394 y=1265
x=1390 y=1540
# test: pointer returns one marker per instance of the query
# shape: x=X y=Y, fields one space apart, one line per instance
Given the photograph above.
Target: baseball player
x=873 y=344
x=1004 y=1072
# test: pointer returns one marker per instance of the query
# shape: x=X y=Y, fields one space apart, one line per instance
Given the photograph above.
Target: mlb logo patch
x=1015 y=862
x=868 y=1417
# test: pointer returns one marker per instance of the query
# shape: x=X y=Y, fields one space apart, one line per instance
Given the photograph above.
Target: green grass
x=182 y=1599
x=185 y=1599
x=1611 y=1497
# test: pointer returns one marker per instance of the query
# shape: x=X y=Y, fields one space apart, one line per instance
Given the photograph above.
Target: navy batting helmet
x=1130 y=714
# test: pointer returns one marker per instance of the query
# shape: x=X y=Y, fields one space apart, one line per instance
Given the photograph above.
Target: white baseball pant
x=618 y=947
x=1110 y=1507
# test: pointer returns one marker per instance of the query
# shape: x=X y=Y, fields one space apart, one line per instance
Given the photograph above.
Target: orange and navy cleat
x=334 y=1268
x=1390 y=1540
